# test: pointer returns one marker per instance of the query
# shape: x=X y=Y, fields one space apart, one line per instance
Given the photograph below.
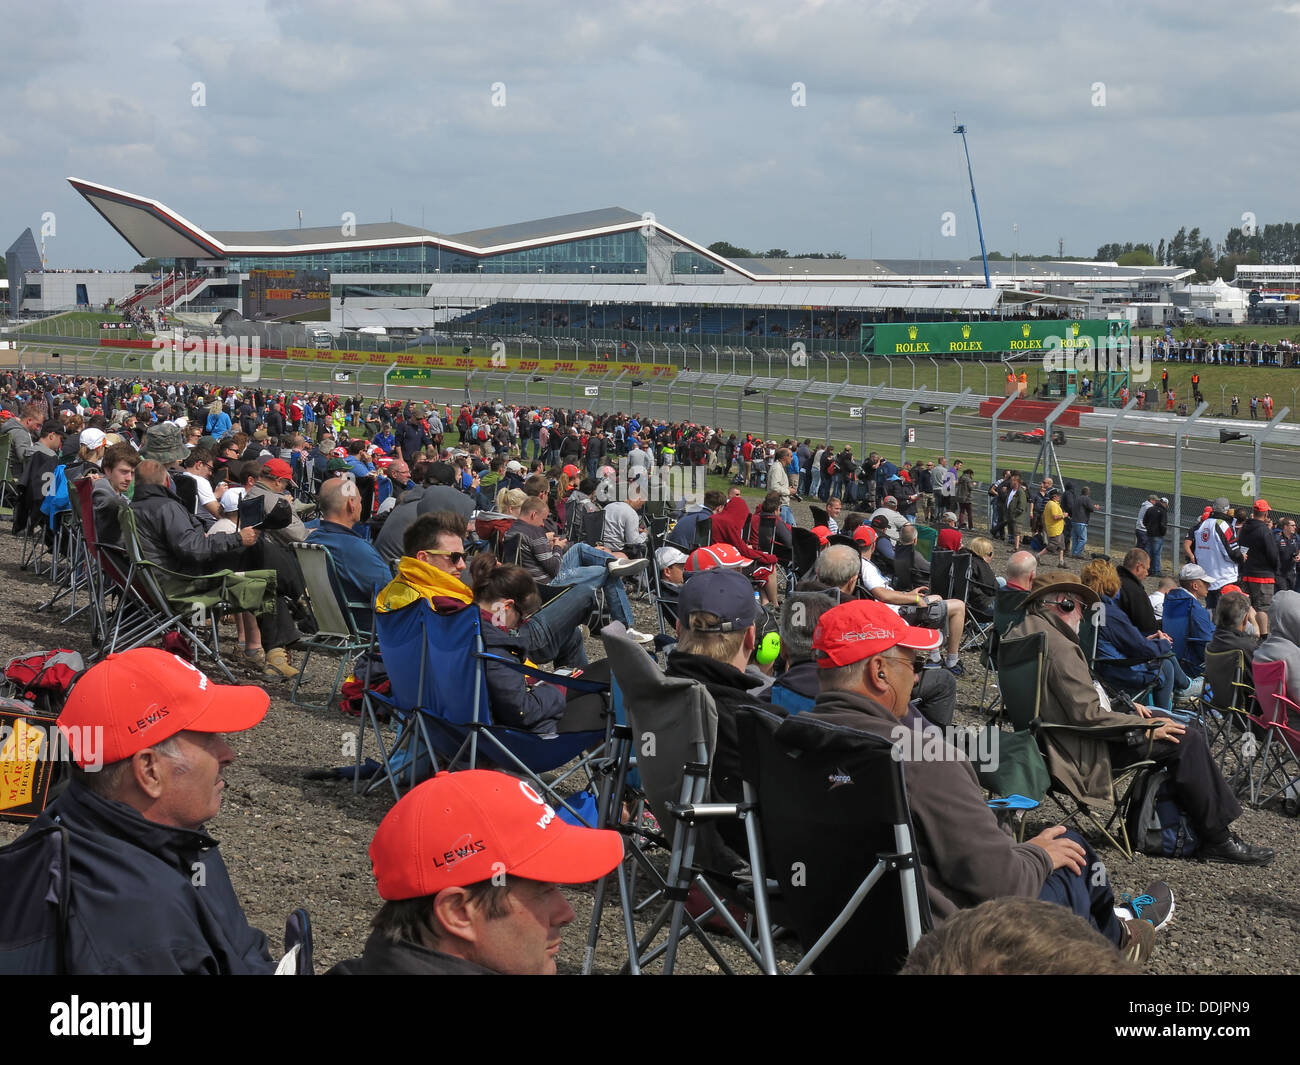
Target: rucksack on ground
x=1157 y=824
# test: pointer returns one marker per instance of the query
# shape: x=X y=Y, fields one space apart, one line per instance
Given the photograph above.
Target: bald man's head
x=335 y=499
x=150 y=471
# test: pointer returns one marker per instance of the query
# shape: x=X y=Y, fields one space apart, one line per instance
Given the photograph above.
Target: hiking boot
x=255 y=660
x=278 y=665
x=1235 y=852
x=626 y=567
x=1156 y=904
x=642 y=637
x=1141 y=941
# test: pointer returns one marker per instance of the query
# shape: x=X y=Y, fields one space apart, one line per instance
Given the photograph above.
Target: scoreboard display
x=277 y=294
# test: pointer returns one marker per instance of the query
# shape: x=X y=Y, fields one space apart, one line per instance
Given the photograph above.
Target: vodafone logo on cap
x=548 y=815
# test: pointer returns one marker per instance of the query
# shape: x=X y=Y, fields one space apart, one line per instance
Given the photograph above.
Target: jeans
x=1087 y=894
x=552 y=632
x=1079 y=539
x=837 y=486
x=815 y=483
x=787 y=516
x=805 y=479
x=586 y=566
x=1155 y=544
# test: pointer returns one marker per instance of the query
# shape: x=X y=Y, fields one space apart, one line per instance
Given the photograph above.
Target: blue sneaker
x=1155 y=905
x=956 y=669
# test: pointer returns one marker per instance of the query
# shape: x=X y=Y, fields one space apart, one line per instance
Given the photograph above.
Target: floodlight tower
x=978 y=227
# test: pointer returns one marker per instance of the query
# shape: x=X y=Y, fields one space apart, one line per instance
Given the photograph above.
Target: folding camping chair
x=926 y=539
x=79 y=568
x=8 y=486
x=941 y=577
x=1176 y=621
x=439 y=699
x=844 y=857
x=204 y=600
x=819 y=515
x=668 y=739
x=1021 y=671
x=805 y=549
x=337 y=632
x=1279 y=763
x=704 y=532
x=959 y=587
x=1008 y=610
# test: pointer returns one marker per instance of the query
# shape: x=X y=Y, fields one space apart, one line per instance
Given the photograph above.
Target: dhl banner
x=593 y=368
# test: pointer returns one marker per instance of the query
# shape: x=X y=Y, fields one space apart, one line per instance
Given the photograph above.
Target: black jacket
x=513 y=702
x=173 y=537
x=1260 y=545
x=1156 y=520
x=1134 y=602
x=382 y=957
x=147 y=898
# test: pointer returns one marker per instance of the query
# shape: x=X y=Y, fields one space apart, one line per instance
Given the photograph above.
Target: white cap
x=91 y=438
x=230 y=499
x=669 y=556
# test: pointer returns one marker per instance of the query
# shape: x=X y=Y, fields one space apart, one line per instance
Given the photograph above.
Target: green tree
x=775 y=253
x=1140 y=256
x=149 y=266
x=730 y=251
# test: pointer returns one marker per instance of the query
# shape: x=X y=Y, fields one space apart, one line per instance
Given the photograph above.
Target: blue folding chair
x=1177 y=622
x=439 y=699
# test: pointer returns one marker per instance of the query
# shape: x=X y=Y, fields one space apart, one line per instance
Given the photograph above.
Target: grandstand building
x=610 y=271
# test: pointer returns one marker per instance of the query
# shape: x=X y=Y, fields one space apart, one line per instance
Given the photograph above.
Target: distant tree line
x=732 y=251
x=1275 y=244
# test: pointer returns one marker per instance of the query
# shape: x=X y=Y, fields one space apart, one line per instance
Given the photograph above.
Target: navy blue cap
x=723 y=592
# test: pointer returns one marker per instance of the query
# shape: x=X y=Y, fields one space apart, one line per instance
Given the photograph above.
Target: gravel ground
x=292 y=842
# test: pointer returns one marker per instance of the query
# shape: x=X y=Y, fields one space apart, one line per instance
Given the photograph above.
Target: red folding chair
x=1279 y=765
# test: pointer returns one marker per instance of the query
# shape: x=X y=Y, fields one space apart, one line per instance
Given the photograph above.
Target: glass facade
x=365 y=291
x=612 y=253
x=690 y=262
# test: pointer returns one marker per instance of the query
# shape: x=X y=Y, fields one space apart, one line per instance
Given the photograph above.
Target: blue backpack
x=56 y=499
x=1157 y=824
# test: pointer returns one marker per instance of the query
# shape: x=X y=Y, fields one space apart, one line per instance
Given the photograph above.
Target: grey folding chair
x=337 y=633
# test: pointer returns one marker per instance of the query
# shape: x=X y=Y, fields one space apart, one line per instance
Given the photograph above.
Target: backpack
x=1157 y=825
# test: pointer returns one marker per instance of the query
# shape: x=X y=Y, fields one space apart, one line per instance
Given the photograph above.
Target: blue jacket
x=361 y=569
x=218 y=424
x=1119 y=638
x=146 y=898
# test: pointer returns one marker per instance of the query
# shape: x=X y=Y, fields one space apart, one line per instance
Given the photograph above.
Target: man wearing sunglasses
x=868 y=660
x=1082 y=763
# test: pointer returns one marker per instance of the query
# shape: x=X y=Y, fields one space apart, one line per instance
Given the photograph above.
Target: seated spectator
x=1124 y=658
x=910 y=569
x=1235 y=628
x=1280 y=645
x=1163 y=587
x=21 y=433
x=110 y=492
x=949 y=534
x=837 y=568
x=1082 y=764
x=198 y=467
x=769 y=510
x=1193 y=587
x=1132 y=597
x=983 y=581
x=874 y=585
x=671 y=562
x=580 y=565
x=439 y=493
x=869 y=661
x=229 y=520
x=90 y=455
x=1022 y=567
x=729 y=528
x=623 y=534
x=496 y=910
x=795 y=686
x=135 y=814
x=894 y=521
x=884 y=545
x=271 y=482
x=505 y=596
x=360 y=569
x=1021 y=937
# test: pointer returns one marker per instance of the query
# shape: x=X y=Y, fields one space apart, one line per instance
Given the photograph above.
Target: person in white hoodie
x=1283 y=641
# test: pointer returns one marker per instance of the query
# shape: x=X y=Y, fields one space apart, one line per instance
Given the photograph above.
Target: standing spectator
x=1156 y=523
x=1140 y=528
x=1288 y=553
x=965 y=493
x=1081 y=509
x=778 y=481
x=1258 y=571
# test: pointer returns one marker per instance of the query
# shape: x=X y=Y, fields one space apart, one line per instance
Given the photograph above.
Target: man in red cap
x=868 y=660
x=150 y=892
x=271 y=481
x=1258 y=571
x=469 y=866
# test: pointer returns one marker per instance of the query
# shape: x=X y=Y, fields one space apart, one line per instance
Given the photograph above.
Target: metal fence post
x=902 y=422
x=829 y=400
x=797 y=402
x=913 y=363
x=862 y=421
x=993 y=435
x=947 y=422
x=391 y=367
x=1110 y=447
x=1180 y=435
x=936 y=372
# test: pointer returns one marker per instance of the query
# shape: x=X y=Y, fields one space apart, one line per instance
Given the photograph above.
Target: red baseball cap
x=142 y=697
x=853 y=631
x=570 y=471
x=1231 y=589
x=822 y=532
x=707 y=558
x=460 y=828
x=865 y=535
x=1262 y=506
x=277 y=468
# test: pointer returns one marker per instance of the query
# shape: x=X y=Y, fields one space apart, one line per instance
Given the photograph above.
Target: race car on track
x=1034 y=436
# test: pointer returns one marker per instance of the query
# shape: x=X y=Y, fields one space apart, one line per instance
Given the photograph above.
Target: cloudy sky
x=801 y=124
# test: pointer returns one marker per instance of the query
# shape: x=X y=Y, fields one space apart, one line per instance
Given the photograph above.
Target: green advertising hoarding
x=958 y=338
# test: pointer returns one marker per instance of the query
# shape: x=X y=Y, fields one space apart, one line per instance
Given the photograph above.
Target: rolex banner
x=959 y=338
